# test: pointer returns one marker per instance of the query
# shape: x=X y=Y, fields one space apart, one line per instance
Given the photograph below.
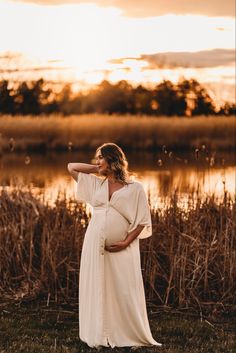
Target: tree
x=142 y=101
x=169 y=100
x=64 y=100
x=198 y=100
x=227 y=109
x=34 y=98
x=6 y=98
x=111 y=98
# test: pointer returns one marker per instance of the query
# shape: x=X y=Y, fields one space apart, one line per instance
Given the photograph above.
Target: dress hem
x=97 y=346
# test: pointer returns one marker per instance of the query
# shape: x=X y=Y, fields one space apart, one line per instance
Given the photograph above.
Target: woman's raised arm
x=75 y=168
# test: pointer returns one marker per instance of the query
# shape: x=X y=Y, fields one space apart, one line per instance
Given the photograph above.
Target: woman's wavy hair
x=116 y=159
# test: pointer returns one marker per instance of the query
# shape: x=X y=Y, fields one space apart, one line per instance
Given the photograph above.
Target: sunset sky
x=143 y=41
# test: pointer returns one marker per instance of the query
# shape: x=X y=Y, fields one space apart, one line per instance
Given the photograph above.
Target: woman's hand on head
x=75 y=168
x=120 y=245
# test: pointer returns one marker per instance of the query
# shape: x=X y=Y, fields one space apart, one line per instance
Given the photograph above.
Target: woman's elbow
x=69 y=167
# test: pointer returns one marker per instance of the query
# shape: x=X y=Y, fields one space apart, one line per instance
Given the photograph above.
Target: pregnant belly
x=116 y=227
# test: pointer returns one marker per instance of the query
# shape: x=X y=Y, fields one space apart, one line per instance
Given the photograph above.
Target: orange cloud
x=150 y=8
x=199 y=59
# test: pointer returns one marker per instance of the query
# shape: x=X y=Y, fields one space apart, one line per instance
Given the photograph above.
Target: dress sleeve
x=87 y=184
x=142 y=215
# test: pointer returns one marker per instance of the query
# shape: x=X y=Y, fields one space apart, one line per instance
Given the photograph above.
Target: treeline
x=186 y=98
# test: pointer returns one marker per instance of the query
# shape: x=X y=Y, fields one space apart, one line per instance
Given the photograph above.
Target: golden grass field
x=188 y=262
x=131 y=132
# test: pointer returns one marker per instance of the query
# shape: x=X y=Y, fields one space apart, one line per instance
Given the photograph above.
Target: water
x=161 y=174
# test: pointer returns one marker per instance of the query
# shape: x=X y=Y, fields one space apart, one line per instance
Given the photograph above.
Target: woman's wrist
x=95 y=168
x=128 y=240
x=133 y=234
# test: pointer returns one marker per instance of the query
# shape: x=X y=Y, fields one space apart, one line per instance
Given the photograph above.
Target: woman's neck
x=112 y=179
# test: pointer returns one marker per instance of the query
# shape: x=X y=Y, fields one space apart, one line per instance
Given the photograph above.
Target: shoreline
x=132 y=133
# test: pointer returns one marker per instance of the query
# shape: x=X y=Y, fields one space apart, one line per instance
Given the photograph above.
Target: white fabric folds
x=112 y=306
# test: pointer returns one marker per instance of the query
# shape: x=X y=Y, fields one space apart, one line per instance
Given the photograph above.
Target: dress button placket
x=102 y=241
x=102 y=244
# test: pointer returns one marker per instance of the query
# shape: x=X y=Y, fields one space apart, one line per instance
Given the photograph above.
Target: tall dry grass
x=190 y=260
x=131 y=132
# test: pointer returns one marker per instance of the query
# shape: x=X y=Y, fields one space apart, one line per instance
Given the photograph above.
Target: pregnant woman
x=112 y=306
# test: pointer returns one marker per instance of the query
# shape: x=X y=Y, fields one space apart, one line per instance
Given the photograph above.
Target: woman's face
x=102 y=164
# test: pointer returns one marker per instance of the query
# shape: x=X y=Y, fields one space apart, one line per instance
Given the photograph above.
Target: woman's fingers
x=112 y=248
x=115 y=247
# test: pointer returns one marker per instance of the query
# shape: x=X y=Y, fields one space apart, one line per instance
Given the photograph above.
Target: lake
x=161 y=173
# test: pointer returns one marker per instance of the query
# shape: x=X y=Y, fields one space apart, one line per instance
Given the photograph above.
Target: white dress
x=112 y=306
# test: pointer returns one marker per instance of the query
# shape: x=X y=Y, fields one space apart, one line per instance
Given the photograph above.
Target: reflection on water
x=162 y=184
x=183 y=174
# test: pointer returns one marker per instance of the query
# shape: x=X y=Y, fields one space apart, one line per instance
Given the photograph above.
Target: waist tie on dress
x=99 y=208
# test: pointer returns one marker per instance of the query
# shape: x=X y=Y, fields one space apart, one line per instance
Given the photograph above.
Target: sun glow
x=81 y=40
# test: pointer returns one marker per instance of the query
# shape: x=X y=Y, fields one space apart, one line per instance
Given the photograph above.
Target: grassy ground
x=131 y=132
x=40 y=328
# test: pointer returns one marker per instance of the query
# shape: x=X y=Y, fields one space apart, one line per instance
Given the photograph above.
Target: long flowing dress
x=112 y=306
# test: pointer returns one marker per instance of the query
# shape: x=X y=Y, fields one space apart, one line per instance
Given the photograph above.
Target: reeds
x=39 y=245
x=190 y=260
x=131 y=132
